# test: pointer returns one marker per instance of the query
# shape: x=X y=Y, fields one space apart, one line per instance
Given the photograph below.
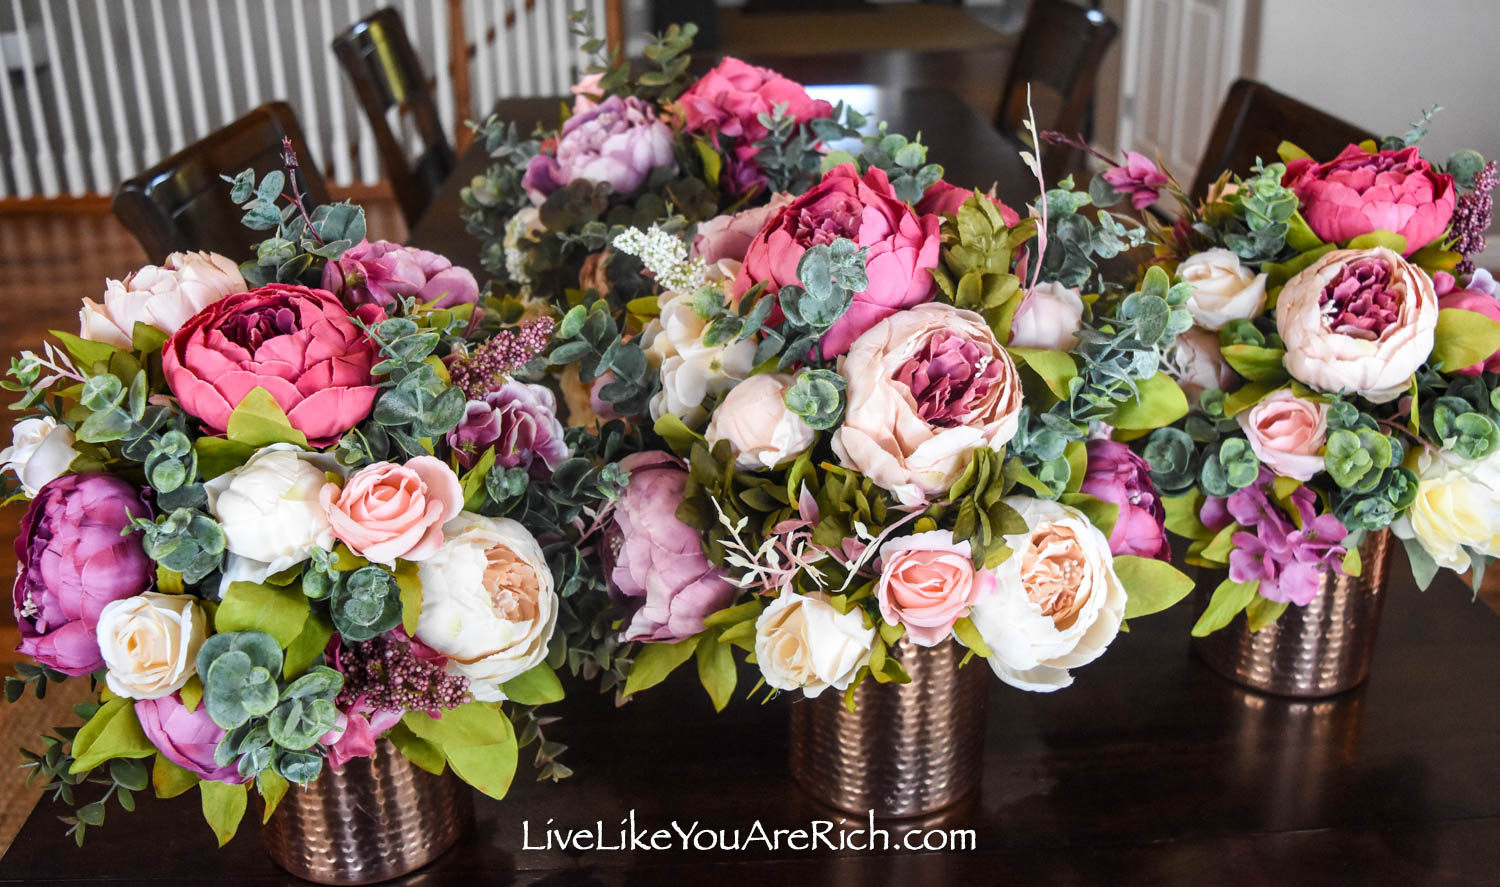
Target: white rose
x=162 y=296
x=1197 y=364
x=1223 y=288
x=150 y=643
x=270 y=511
x=802 y=642
x=761 y=431
x=690 y=370
x=1457 y=507
x=40 y=452
x=1049 y=317
x=1057 y=602
x=487 y=602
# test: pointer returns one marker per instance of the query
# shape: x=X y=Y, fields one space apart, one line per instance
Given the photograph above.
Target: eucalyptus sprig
x=53 y=768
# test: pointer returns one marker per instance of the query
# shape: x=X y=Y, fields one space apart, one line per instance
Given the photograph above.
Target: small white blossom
x=666 y=256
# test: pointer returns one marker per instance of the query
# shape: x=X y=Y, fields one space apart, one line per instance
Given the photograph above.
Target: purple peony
x=1118 y=476
x=1137 y=178
x=381 y=272
x=73 y=560
x=619 y=143
x=1288 y=562
x=658 y=559
x=186 y=738
x=520 y=421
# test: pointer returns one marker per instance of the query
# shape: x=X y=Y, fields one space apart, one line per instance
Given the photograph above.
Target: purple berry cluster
x=386 y=675
x=501 y=356
x=1471 y=218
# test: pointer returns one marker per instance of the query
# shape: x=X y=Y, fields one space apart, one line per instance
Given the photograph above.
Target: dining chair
x=1254 y=119
x=387 y=77
x=182 y=203
x=1058 y=55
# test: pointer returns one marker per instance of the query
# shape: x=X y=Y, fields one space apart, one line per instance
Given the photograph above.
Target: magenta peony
x=520 y=421
x=1118 y=476
x=381 y=273
x=72 y=560
x=944 y=198
x=904 y=247
x=1358 y=192
x=186 y=738
x=298 y=344
x=1137 y=178
x=619 y=143
x=658 y=559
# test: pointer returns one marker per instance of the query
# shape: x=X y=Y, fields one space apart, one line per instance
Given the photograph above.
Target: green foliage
x=476 y=740
x=1150 y=585
x=1261 y=213
x=1074 y=243
x=903 y=160
x=186 y=541
x=1230 y=466
x=1229 y=599
x=590 y=336
x=979 y=251
x=1463 y=339
x=364 y=603
x=818 y=397
x=301 y=240
x=415 y=405
x=55 y=768
x=830 y=275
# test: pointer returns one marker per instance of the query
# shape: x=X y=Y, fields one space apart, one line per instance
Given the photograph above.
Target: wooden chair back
x=183 y=204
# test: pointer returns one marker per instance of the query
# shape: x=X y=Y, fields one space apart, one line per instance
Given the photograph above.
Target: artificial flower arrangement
x=1341 y=367
x=282 y=510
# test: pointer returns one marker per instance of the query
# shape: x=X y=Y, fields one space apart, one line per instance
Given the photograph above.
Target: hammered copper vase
x=378 y=818
x=906 y=749
x=1317 y=650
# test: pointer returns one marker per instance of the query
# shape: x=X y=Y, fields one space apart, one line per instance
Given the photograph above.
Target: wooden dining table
x=1150 y=769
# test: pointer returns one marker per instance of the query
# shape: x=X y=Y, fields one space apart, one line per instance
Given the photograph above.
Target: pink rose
x=729 y=236
x=298 y=344
x=944 y=198
x=186 y=738
x=1197 y=364
x=380 y=273
x=1049 y=317
x=1286 y=432
x=904 y=247
x=1478 y=301
x=927 y=387
x=388 y=511
x=1138 y=178
x=927 y=583
x=1358 y=192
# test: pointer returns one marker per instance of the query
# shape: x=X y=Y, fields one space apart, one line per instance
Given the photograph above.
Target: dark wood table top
x=1149 y=770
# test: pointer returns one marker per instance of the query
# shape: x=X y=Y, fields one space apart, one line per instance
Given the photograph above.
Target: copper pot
x=906 y=749
x=1317 y=650
x=376 y=819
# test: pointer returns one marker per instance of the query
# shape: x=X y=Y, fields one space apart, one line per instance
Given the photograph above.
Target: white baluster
x=125 y=160
x=62 y=103
x=337 y=164
x=224 y=112
x=369 y=163
x=538 y=35
x=167 y=68
x=101 y=183
x=307 y=93
x=193 y=71
x=255 y=90
x=483 y=83
x=20 y=169
x=442 y=56
x=279 y=91
x=46 y=163
x=516 y=37
x=562 y=46
x=505 y=57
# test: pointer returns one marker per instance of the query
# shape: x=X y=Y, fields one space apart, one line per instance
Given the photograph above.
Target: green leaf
x=1352 y=565
x=1390 y=240
x=308 y=646
x=1299 y=234
x=1262 y=612
x=1182 y=515
x=417 y=750
x=223 y=807
x=717 y=672
x=272 y=787
x=411 y=595
x=728 y=616
x=113 y=732
x=87 y=353
x=218 y=455
x=1248 y=396
x=678 y=436
x=476 y=739
x=1221 y=544
x=192 y=693
x=248 y=606
x=169 y=779
x=713 y=164
x=538 y=686
x=968 y=635
x=1255 y=363
x=257 y=420
x=655 y=661
x=1288 y=152
x=147 y=339
x=1056 y=368
x=1463 y=339
x=1158 y=402
x=1150 y=585
x=1228 y=600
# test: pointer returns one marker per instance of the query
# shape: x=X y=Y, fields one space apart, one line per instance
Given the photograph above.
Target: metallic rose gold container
x=1317 y=650
x=378 y=818
x=906 y=749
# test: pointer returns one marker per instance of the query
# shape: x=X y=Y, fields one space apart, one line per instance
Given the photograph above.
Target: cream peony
x=1057 y=602
x=802 y=642
x=1049 y=317
x=270 y=511
x=1197 y=365
x=927 y=387
x=1223 y=288
x=692 y=371
x=162 y=296
x=487 y=602
x=150 y=643
x=1287 y=433
x=761 y=431
x=40 y=452
x=1457 y=507
x=1358 y=322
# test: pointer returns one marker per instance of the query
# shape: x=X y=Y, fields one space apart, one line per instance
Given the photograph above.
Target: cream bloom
x=802 y=642
x=1057 y=602
x=761 y=431
x=270 y=511
x=1049 y=317
x=150 y=643
x=40 y=452
x=1196 y=364
x=1358 y=321
x=487 y=602
x=692 y=371
x=1457 y=506
x=1223 y=288
x=927 y=387
x=162 y=296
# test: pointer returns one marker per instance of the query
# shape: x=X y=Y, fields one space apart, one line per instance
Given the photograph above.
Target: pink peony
x=1117 y=475
x=927 y=583
x=943 y=198
x=519 y=420
x=298 y=344
x=186 y=738
x=163 y=297
x=618 y=143
x=904 y=247
x=381 y=273
x=1287 y=433
x=729 y=236
x=1480 y=302
x=387 y=511
x=72 y=560
x=586 y=93
x=659 y=560
x=1358 y=192
x=1138 y=178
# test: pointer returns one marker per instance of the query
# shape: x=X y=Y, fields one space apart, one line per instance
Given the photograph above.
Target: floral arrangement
x=1340 y=366
x=281 y=510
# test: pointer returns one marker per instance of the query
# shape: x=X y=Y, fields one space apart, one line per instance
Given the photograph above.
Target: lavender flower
x=1286 y=560
x=520 y=421
x=619 y=142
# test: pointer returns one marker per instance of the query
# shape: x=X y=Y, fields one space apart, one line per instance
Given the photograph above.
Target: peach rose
x=1286 y=432
x=1358 y=321
x=388 y=511
x=761 y=431
x=927 y=387
x=927 y=583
